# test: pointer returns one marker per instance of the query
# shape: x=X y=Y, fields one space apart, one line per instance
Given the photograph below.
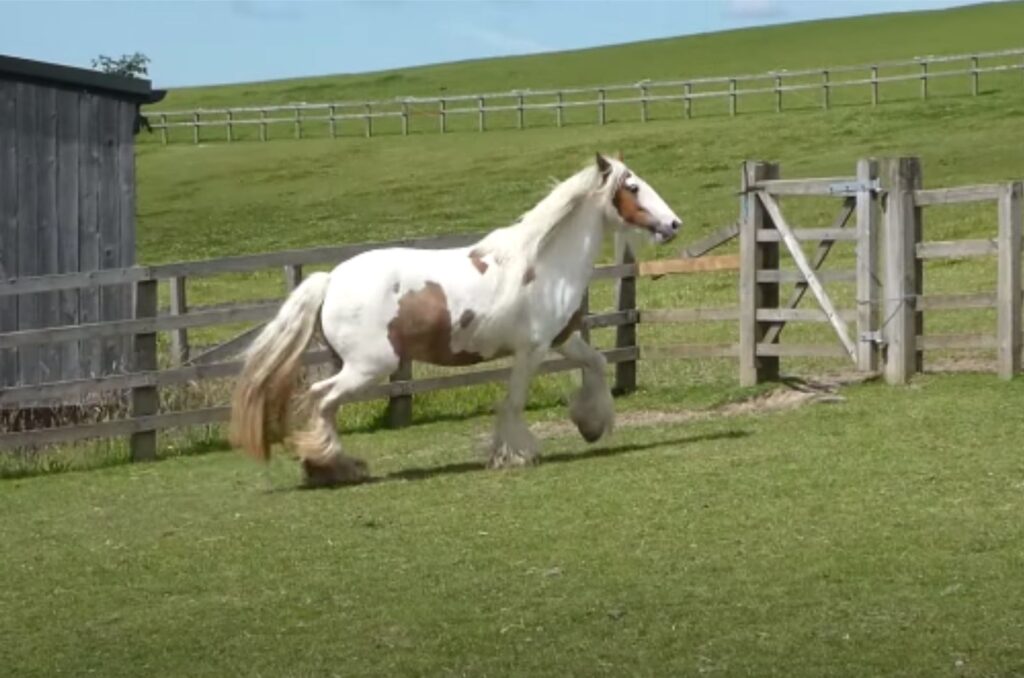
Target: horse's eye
x=635 y=188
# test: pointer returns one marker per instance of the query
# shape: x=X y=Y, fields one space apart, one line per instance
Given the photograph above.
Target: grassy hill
x=800 y=45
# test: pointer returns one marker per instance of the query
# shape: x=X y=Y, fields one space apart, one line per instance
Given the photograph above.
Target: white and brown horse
x=517 y=292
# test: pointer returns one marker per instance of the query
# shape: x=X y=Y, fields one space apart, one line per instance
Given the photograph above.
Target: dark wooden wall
x=67 y=204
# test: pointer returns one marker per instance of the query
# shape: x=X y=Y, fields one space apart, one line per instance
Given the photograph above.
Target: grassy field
x=878 y=536
x=875 y=536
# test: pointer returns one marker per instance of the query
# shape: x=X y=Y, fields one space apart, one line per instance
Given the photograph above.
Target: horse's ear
x=618 y=155
x=604 y=167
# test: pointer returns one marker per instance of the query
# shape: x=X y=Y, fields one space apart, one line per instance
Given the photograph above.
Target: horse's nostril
x=676 y=224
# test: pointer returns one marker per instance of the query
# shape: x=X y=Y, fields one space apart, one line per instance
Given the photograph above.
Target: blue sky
x=198 y=43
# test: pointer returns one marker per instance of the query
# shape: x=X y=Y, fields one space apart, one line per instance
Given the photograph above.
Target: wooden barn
x=67 y=204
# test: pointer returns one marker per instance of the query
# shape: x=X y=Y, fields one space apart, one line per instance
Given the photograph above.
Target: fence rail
x=326 y=116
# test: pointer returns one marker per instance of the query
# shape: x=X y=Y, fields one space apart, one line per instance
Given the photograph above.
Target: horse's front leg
x=591 y=408
x=513 y=443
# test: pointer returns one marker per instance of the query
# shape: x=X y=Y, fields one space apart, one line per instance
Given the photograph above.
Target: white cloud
x=754 y=9
x=498 y=40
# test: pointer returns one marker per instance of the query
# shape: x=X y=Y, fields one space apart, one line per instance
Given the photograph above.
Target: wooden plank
x=68 y=144
x=684 y=315
x=957 y=194
x=802 y=315
x=8 y=223
x=757 y=260
x=869 y=291
x=28 y=235
x=831 y=186
x=85 y=280
x=46 y=225
x=179 y=306
x=692 y=351
x=615 y=271
x=116 y=328
x=211 y=267
x=805 y=267
x=805 y=234
x=956 y=341
x=939 y=302
x=901 y=176
x=145 y=400
x=802 y=350
x=660 y=267
x=772 y=335
x=625 y=300
x=799 y=277
x=88 y=230
x=714 y=240
x=229 y=348
x=612 y=319
x=956 y=249
x=109 y=208
x=1009 y=284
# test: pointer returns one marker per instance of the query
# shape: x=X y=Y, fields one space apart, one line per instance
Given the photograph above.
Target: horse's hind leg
x=319 y=446
x=591 y=408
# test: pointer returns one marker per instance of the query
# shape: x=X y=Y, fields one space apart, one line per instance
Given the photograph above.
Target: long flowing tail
x=259 y=407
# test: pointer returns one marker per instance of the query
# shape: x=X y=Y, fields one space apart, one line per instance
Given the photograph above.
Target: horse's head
x=635 y=204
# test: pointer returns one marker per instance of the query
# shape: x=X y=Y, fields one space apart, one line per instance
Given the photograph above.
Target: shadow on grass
x=560 y=458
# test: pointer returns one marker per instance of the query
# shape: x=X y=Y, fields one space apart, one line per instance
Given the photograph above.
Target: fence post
x=688 y=100
x=163 y=129
x=755 y=256
x=874 y=85
x=332 y=110
x=145 y=399
x=292 y=277
x=901 y=176
x=600 y=107
x=1009 y=293
x=405 y=118
x=778 y=94
x=559 y=109
x=481 y=105
x=179 y=306
x=643 y=103
x=195 y=127
x=732 y=97
x=298 y=122
x=443 y=115
x=263 y=125
x=924 y=79
x=825 y=90
x=868 y=288
x=625 y=335
x=399 y=411
x=974 y=75
x=519 y=112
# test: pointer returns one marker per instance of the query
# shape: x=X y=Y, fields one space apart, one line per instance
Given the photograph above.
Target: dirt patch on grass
x=788 y=395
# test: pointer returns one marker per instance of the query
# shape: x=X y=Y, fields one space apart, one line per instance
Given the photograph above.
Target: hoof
x=506 y=457
x=592 y=427
x=333 y=472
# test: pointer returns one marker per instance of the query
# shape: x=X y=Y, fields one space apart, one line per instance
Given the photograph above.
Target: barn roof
x=41 y=72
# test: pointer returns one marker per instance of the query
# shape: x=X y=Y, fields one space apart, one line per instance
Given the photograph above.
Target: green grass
x=879 y=536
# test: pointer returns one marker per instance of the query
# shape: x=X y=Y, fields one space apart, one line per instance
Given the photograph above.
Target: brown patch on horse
x=529 y=276
x=466 y=319
x=478 y=262
x=630 y=210
x=575 y=323
x=422 y=329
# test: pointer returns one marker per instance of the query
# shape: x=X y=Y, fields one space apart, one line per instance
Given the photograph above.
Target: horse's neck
x=572 y=250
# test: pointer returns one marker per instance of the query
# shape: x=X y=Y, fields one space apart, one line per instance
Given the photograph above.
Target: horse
x=516 y=292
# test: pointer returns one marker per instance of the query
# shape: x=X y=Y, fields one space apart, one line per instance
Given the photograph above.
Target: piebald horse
x=517 y=292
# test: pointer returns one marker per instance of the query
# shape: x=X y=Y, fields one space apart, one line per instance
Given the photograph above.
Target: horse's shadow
x=426 y=473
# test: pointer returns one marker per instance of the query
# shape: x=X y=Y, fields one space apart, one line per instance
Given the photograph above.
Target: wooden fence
x=883 y=200
x=341 y=118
